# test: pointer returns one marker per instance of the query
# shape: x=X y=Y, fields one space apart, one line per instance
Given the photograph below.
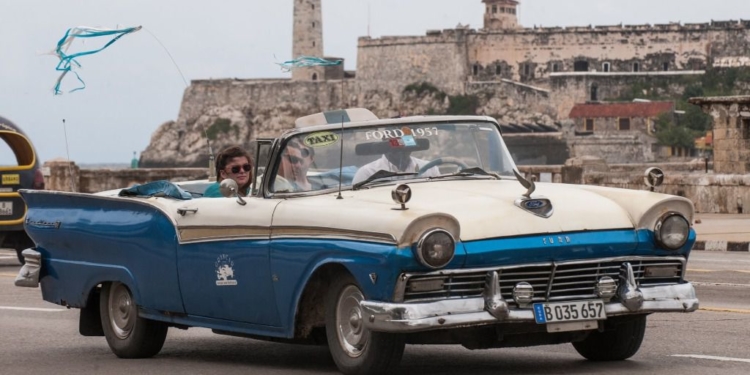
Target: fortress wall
x=391 y=63
x=681 y=48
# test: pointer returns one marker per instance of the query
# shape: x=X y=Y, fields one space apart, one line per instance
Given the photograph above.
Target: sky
x=134 y=86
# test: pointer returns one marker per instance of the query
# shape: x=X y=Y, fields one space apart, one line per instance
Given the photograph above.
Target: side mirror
x=653 y=177
x=229 y=188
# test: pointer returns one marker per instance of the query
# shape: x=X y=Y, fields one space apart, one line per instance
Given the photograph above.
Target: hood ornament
x=529 y=185
x=401 y=195
x=539 y=206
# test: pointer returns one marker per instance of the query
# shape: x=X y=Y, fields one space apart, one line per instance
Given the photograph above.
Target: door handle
x=184 y=211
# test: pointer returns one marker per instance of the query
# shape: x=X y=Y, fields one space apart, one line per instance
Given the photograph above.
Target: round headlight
x=672 y=231
x=436 y=248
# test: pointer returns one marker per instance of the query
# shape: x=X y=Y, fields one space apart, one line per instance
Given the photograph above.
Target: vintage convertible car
x=366 y=235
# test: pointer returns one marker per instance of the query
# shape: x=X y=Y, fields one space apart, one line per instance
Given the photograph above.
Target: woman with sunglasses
x=234 y=163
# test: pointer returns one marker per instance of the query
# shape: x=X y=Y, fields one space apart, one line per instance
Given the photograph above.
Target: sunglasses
x=295 y=160
x=245 y=167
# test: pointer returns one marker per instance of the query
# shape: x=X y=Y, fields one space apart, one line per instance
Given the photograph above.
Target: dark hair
x=231 y=153
x=296 y=143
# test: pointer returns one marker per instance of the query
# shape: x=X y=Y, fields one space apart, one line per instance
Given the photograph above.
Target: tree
x=670 y=134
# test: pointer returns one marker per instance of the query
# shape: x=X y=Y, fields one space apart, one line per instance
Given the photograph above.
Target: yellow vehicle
x=25 y=173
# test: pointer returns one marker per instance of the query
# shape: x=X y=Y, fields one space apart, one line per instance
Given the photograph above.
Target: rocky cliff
x=229 y=112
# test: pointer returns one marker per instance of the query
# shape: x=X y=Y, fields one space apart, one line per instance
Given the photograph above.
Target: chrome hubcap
x=122 y=312
x=353 y=337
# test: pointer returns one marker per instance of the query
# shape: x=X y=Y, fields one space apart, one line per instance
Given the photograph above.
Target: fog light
x=606 y=288
x=523 y=294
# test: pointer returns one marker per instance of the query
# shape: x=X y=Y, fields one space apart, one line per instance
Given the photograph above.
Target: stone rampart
x=532 y=54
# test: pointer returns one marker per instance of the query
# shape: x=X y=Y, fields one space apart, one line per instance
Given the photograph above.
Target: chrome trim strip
x=189 y=234
x=332 y=233
x=417 y=317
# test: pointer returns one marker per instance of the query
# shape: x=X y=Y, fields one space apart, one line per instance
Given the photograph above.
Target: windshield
x=382 y=154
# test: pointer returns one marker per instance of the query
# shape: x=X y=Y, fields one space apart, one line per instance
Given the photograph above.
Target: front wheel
x=355 y=349
x=128 y=335
x=617 y=343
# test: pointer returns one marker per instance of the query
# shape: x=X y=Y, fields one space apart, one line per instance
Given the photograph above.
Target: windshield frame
x=283 y=139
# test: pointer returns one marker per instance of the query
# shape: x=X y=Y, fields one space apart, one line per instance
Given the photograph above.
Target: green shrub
x=221 y=125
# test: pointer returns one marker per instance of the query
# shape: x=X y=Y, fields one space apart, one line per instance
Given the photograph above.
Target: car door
x=223 y=259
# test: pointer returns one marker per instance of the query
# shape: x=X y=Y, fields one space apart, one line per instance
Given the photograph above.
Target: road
x=38 y=337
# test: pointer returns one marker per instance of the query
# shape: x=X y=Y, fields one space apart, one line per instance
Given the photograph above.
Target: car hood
x=482 y=208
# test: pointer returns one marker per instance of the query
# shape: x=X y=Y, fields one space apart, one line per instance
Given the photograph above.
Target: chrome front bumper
x=415 y=317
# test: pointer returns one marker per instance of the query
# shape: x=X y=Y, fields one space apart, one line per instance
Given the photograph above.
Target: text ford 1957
x=370 y=235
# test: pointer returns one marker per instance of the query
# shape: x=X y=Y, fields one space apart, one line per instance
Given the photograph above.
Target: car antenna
x=211 y=164
x=341 y=157
x=70 y=163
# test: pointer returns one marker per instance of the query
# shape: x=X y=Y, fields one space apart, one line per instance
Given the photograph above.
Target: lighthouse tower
x=308 y=38
x=500 y=14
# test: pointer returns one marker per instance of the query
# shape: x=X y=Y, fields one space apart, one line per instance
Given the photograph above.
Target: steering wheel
x=441 y=161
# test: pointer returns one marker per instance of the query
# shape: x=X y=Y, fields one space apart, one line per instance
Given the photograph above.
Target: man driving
x=398 y=160
x=295 y=163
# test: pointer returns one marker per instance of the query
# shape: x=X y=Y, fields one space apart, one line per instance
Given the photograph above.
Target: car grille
x=558 y=281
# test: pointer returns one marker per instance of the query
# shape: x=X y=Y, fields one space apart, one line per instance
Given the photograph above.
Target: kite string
x=170 y=56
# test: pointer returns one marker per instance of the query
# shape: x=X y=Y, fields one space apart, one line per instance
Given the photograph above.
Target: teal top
x=212 y=191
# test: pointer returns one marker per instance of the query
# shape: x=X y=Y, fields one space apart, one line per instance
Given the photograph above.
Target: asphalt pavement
x=722 y=232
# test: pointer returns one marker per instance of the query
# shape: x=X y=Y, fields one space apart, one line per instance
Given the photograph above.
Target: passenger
x=399 y=160
x=295 y=163
x=234 y=163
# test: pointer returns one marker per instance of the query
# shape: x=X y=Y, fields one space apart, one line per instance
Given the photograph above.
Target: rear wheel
x=617 y=343
x=355 y=349
x=128 y=335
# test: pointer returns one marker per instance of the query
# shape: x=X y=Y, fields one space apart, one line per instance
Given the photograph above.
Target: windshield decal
x=321 y=139
x=398 y=133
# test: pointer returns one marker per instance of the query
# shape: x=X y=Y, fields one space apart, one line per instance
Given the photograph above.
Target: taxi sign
x=11 y=179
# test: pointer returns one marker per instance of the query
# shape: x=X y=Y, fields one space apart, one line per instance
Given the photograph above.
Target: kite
x=68 y=62
x=307 y=61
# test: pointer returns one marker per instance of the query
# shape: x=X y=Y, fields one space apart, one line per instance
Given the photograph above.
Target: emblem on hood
x=539 y=206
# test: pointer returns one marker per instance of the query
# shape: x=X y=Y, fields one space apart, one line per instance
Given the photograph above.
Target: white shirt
x=370 y=169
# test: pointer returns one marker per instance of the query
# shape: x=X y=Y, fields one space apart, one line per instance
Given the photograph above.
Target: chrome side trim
x=208 y=233
x=332 y=233
x=194 y=234
x=418 y=317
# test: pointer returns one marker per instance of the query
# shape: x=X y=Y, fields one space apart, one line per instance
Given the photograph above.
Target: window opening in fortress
x=624 y=124
x=313 y=25
x=581 y=66
x=498 y=70
x=555 y=67
x=315 y=76
x=526 y=70
x=636 y=67
x=589 y=125
x=494 y=9
x=665 y=66
x=475 y=69
x=605 y=67
x=594 y=93
x=313 y=43
x=746 y=128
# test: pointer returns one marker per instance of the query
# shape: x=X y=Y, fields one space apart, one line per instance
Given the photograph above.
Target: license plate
x=11 y=179
x=6 y=208
x=569 y=311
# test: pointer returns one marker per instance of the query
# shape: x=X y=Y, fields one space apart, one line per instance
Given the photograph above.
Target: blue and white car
x=461 y=249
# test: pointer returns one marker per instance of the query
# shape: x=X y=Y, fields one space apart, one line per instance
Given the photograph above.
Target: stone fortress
x=527 y=78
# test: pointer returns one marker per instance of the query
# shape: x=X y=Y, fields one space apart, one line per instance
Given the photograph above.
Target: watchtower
x=500 y=14
x=307 y=38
